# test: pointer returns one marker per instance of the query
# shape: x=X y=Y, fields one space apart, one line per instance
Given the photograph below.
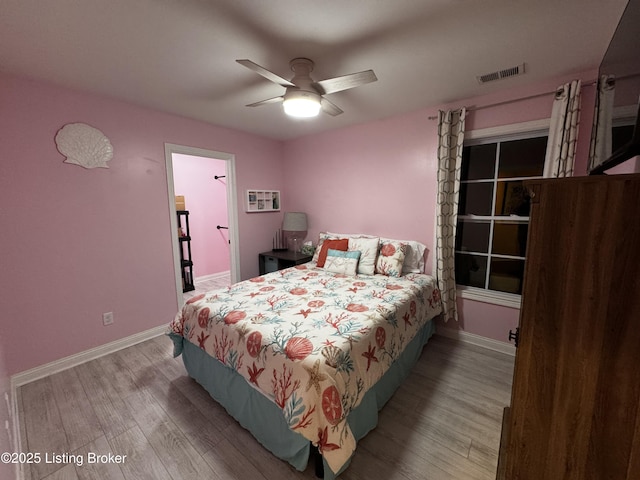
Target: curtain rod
x=506 y=102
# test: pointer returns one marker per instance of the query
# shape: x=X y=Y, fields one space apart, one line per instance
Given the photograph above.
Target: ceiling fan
x=304 y=97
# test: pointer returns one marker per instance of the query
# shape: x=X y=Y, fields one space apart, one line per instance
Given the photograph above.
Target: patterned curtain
x=600 y=148
x=563 y=132
x=450 y=140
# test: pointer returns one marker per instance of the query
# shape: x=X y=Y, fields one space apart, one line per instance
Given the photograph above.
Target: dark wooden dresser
x=575 y=405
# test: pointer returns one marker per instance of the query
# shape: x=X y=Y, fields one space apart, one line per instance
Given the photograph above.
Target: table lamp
x=294 y=227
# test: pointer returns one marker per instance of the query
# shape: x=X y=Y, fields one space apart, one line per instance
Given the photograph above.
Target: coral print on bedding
x=312 y=341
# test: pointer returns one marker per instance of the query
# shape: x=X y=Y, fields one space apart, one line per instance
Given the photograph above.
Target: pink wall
x=629 y=166
x=77 y=243
x=206 y=201
x=380 y=178
x=371 y=178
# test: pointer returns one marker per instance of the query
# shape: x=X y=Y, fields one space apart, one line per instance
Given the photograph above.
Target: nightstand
x=272 y=261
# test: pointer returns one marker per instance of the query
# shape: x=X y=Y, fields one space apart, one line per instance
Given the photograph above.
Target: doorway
x=224 y=179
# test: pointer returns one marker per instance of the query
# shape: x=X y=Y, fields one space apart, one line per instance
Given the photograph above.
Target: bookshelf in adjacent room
x=186 y=262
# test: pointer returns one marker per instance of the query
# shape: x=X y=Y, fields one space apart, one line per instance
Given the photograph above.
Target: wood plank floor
x=205 y=284
x=443 y=423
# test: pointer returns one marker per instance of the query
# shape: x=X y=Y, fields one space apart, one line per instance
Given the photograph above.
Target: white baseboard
x=212 y=276
x=472 y=338
x=56 y=366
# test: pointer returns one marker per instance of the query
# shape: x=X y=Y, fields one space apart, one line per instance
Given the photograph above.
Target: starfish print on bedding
x=350 y=339
x=323 y=441
x=315 y=377
x=254 y=373
x=370 y=355
x=201 y=339
x=242 y=332
x=304 y=313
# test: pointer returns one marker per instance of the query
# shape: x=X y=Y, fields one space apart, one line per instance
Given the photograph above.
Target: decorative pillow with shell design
x=391 y=258
x=345 y=263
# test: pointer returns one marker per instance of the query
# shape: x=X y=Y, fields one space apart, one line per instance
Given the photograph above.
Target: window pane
x=473 y=236
x=522 y=158
x=620 y=136
x=475 y=199
x=471 y=270
x=510 y=238
x=506 y=275
x=512 y=199
x=478 y=162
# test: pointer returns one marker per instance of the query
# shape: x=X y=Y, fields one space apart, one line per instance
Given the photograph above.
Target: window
x=621 y=134
x=493 y=211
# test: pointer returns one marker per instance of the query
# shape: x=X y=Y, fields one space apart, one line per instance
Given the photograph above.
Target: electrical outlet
x=107 y=318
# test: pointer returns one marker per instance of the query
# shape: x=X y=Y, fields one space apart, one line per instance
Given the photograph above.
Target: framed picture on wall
x=263 y=200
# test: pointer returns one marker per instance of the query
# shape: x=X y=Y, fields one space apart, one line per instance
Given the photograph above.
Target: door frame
x=232 y=208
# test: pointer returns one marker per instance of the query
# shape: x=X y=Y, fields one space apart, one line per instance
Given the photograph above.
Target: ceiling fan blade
x=266 y=73
x=330 y=108
x=267 y=101
x=338 y=84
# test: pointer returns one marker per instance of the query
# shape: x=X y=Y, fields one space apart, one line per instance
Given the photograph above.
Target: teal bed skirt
x=264 y=419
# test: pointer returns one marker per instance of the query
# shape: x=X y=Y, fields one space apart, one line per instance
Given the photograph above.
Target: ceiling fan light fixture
x=301 y=104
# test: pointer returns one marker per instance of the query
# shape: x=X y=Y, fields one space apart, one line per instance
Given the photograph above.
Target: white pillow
x=368 y=248
x=347 y=235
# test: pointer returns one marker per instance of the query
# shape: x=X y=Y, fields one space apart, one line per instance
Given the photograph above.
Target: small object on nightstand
x=308 y=249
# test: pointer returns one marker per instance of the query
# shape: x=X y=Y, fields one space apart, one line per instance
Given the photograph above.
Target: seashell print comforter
x=312 y=341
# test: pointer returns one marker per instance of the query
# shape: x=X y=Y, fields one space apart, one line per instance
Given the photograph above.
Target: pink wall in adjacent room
x=380 y=178
x=77 y=242
x=206 y=201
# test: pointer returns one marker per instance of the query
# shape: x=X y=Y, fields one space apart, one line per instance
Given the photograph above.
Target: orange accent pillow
x=339 y=244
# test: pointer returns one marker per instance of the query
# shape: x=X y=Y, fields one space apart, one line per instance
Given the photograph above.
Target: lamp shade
x=294 y=222
x=300 y=103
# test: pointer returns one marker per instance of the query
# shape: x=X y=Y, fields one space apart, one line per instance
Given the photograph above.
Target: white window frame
x=490 y=135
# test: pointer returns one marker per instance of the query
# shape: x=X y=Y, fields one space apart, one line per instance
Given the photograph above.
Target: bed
x=305 y=357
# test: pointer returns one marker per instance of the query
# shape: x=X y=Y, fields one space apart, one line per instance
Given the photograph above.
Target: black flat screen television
x=620 y=68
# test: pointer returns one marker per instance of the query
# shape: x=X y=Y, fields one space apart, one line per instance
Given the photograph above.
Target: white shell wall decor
x=84 y=145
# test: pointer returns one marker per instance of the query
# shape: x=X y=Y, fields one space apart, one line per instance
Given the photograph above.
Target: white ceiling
x=179 y=56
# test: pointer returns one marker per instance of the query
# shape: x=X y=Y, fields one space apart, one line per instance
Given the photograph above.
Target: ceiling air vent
x=500 y=74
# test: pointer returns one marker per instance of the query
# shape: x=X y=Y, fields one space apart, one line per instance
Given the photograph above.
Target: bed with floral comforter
x=312 y=342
